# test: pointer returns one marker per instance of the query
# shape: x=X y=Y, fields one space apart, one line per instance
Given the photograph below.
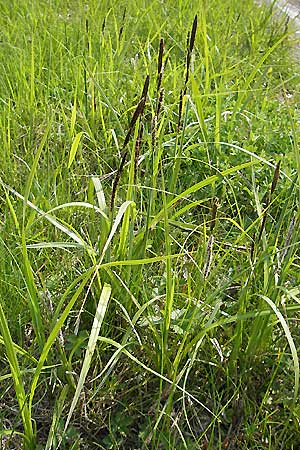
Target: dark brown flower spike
x=117 y=179
x=103 y=25
x=275 y=177
x=193 y=33
x=145 y=88
x=137 y=113
x=137 y=150
x=190 y=46
x=160 y=67
x=179 y=123
x=122 y=24
x=214 y=213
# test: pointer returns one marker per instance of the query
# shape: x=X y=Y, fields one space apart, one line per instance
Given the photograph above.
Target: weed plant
x=149 y=258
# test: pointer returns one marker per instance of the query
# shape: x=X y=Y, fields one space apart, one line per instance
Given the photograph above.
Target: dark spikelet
x=179 y=124
x=160 y=56
x=159 y=80
x=87 y=32
x=187 y=74
x=145 y=88
x=122 y=24
x=275 y=177
x=193 y=34
x=214 y=213
x=263 y=224
x=188 y=60
x=137 y=150
x=160 y=101
x=160 y=67
x=138 y=111
x=116 y=180
x=190 y=47
x=103 y=25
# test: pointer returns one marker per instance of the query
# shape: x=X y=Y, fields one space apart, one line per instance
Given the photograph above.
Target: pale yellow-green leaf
x=74 y=148
x=73 y=117
x=100 y=193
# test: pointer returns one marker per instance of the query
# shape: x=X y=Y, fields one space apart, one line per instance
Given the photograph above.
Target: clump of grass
x=149 y=272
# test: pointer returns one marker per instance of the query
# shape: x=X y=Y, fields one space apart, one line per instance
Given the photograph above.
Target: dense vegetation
x=149 y=260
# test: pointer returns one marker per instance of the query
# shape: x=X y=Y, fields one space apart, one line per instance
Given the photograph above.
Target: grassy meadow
x=149 y=257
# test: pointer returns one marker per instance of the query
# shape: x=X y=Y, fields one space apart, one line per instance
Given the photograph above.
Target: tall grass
x=149 y=227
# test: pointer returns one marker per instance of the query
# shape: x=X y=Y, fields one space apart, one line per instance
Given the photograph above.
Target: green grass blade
x=114 y=227
x=244 y=90
x=98 y=319
x=55 y=330
x=196 y=187
x=25 y=411
x=290 y=340
x=68 y=230
x=52 y=441
x=33 y=300
x=74 y=148
x=154 y=372
x=34 y=168
x=73 y=117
